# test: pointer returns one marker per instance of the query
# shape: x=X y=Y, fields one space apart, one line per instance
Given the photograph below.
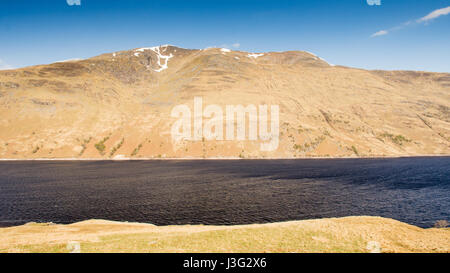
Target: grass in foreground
x=350 y=234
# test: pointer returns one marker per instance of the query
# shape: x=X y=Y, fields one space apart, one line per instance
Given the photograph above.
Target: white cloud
x=380 y=33
x=4 y=66
x=235 y=45
x=434 y=14
x=73 y=2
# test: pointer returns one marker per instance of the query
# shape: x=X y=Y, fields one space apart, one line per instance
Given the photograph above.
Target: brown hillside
x=118 y=105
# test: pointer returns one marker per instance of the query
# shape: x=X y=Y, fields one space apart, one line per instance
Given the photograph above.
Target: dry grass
x=350 y=234
x=327 y=109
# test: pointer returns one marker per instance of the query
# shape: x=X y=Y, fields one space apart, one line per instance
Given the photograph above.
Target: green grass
x=309 y=146
x=355 y=150
x=117 y=147
x=136 y=150
x=100 y=146
x=36 y=150
x=336 y=235
x=397 y=139
x=84 y=145
x=245 y=240
x=240 y=240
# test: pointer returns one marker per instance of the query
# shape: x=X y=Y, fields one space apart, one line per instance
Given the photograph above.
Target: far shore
x=219 y=158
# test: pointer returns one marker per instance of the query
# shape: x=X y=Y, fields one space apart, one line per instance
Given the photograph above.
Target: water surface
x=413 y=190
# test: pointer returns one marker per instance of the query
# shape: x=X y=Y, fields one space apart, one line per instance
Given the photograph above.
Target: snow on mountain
x=157 y=50
x=254 y=55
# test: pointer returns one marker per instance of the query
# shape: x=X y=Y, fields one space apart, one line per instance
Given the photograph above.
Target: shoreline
x=148 y=224
x=219 y=158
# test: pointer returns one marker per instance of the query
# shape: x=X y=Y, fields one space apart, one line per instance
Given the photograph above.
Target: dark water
x=413 y=190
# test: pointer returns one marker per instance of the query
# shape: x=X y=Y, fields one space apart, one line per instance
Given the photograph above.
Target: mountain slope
x=119 y=105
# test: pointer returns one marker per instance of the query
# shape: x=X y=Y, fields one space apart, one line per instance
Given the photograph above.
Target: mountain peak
x=119 y=104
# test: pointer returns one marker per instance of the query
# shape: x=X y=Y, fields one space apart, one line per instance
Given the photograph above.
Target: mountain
x=119 y=105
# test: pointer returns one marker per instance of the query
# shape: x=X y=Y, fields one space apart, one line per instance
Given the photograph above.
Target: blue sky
x=346 y=32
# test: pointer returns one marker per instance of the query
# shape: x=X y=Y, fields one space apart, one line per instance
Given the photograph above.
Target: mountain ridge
x=119 y=105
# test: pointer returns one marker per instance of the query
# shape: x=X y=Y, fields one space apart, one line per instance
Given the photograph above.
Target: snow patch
x=318 y=58
x=69 y=60
x=225 y=50
x=157 y=50
x=254 y=55
x=326 y=62
x=314 y=55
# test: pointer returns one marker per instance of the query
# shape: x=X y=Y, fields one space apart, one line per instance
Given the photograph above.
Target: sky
x=396 y=34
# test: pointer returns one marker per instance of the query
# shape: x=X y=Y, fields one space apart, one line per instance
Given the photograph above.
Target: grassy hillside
x=118 y=105
x=349 y=234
